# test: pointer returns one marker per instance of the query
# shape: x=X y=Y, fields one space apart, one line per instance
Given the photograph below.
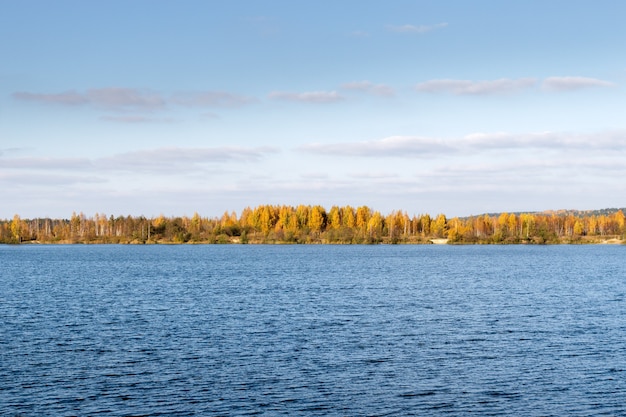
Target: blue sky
x=455 y=107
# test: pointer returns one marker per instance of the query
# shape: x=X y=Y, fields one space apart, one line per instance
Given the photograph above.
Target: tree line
x=315 y=224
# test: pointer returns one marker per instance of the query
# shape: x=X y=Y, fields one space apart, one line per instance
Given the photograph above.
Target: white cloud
x=603 y=141
x=125 y=99
x=121 y=98
x=371 y=175
x=109 y=98
x=476 y=143
x=573 y=83
x=177 y=159
x=37 y=163
x=161 y=160
x=11 y=150
x=314 y=175
x=70 y=98
x=136 y=119
x=370 y=88
x=507 y=86
x=416 y=29
x=398 y=146
x=210 y=99
x=46 y=180
x=485 y=87
x=307 y=97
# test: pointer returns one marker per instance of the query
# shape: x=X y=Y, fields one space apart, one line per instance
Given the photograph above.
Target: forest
x=277 y=224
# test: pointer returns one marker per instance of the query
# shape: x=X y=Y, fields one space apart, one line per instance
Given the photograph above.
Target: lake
x=312 y=330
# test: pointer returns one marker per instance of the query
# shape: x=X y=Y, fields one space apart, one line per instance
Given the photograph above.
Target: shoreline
x=439 y=242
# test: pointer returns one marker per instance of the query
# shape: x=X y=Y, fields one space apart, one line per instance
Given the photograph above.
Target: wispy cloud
x=307 y=97
x=160 y=160
x=108 y=98
x=131 y=99
x=508 y=86
x=136 y=119
x=397 y=146
x=573 y=83
x=165 y=160
x=607 y=141
x=210 y=99
x=369 y=175
x=370 y=88
x=38 y=163
x=69 y=98
x=314 y=175
x=114 y=98
x=195 y=155
x=485 y=87
x=46 y=179
x=425 y=147
x=11 y=150
x=416 y=29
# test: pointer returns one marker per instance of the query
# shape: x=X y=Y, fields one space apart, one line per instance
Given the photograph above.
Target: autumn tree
x=348 y=217
x=334 y=218
x=317 y=219
x=438 y=226
x=375 y=227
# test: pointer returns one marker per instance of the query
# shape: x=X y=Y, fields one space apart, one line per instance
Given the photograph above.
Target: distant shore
x=237 y=241
x=274 y=224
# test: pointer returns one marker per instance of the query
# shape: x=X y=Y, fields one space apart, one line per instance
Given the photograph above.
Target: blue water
x=312 y=330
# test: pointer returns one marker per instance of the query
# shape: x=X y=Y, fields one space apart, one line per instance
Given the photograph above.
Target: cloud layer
x=160 y=160
x=425 y=147
x=307 y=97
x=476 y=166
x=573 y=83
x=370 y=88
x=136 y=100
x=125 y=99
x=508 y=86
x=467 y=87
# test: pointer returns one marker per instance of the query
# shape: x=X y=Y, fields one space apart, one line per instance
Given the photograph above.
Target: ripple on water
x=312 y=330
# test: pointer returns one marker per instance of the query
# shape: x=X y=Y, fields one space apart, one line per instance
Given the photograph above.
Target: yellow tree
x=292 y=225
x=592 y=225
x=334 y=218
x=512 y=225
x=267 y=219
x=247 y=220
x=375 y=225
x=424 y=222
x=394 y=223
x=302 y=214
x=502 y=222
x=578 y=228
x=348 y=217
x=284 y=213
x=363 y=215
x=316 y=221
x=438 y=226
x=619 y=220
x=16 y=228
x=527 y=221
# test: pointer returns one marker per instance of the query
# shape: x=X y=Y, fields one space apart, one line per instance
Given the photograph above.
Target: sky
x=455 y=107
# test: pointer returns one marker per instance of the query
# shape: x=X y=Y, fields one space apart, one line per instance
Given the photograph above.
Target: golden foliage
x=313 y=224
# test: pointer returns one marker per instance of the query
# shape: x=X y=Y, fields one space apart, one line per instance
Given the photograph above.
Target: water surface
x=312 y=330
